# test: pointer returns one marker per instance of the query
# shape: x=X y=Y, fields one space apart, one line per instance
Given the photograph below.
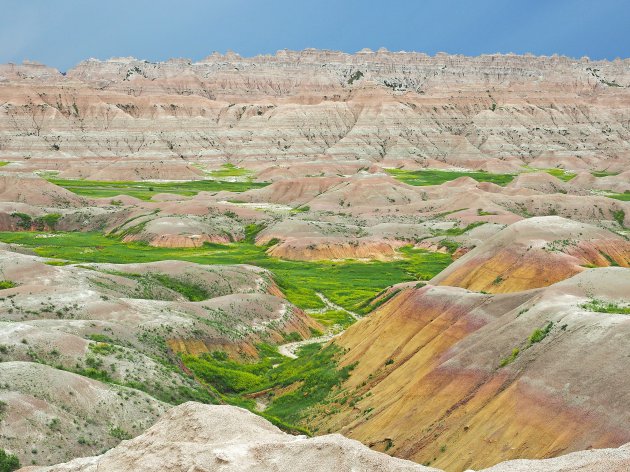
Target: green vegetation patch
x=8 y=462
x=624 y=197
x=600 y=306
x=458 y=231
x=540 y=334
x=312 y=377
x=5 y=284
x=333 y=318
x=146 y=190
x=437 y=177
x=511 y=358
x=561 y=174
x=230 y=170
x=619 y=216
x=450 y=245
x=380 y=299
x=347 y=283
x=40 y=223
x=603 y=173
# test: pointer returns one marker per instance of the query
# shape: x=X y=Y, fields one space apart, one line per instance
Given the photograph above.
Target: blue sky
x=61 y=33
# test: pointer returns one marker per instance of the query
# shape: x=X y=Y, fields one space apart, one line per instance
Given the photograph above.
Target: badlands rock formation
x=533 y=253
x=122 y=326
x=493 y=112
x=462 y=379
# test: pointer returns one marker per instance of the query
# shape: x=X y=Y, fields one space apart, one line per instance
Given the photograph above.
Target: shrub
x=49 y=221
x=119 y=433
x=292 y=337
x=511 y=358
x=219 y=356
x=540 y=334
x=354 y=77
x=619 y=216
x=101 y=348
x=8 y=462
x=25 y=221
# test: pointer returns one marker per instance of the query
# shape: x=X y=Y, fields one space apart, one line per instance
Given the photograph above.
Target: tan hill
x=464 y=380
x=33 y=190
x=533 y=253
x=50 y=415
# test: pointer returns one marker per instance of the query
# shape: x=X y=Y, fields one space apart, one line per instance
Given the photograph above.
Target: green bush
x=540 y=334
x=24 y=221
x=511 y=358
x=119 y=433
x=601 y=306
x=619 y=217
x=355 y=76
x=48 y=221
x=8 y=462
x=4 y=284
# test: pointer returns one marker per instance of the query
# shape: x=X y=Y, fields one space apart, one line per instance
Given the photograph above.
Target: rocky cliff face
x=493 y=112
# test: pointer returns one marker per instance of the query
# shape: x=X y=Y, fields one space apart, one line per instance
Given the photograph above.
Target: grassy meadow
x=436 y=177
x=146 y=190
x=346 y=283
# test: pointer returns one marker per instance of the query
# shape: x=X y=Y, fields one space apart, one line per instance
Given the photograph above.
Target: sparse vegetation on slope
x=540 y=333
x=601 y=306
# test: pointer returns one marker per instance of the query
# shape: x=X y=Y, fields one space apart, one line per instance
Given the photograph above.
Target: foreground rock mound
x=600 y=460
x=196 y=437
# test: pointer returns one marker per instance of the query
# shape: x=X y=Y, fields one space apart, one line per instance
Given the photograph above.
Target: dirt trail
x=289 y=349
x=330 y=306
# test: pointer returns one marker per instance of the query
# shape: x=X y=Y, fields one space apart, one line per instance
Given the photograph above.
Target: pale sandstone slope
x=197 y=437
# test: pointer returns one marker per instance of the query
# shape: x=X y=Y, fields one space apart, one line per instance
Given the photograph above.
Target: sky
x=61 y=33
